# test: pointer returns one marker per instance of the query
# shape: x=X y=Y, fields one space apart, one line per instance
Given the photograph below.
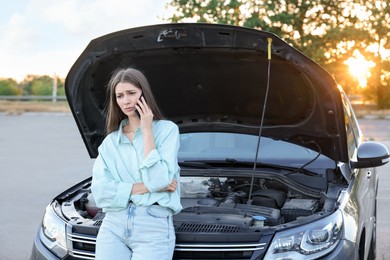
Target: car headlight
x=53 y=232
x=308 y=241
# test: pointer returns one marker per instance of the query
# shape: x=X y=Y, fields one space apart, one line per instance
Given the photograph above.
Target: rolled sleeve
x=107 y=188
x=122 y=195
x=160 y=166
x=151 y=159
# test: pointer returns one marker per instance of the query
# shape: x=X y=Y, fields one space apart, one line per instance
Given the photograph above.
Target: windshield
x=209 y=146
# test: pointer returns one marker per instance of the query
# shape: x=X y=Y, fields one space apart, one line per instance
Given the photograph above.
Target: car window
x=242 y=147
x=351 y=127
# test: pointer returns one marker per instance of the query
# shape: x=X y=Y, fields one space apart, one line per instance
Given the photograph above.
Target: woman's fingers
x=143 y=106
x=171 y=187
x=144 y=109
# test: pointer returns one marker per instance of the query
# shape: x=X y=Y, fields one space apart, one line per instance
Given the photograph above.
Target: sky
x=45 y=37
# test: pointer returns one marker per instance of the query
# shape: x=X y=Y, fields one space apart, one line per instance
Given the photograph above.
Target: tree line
x=32 y=85
x=330 y=32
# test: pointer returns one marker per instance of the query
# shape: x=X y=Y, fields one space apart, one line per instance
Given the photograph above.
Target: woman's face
x=127 y=96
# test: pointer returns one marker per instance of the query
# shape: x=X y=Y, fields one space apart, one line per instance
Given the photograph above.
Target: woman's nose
x=127 y=99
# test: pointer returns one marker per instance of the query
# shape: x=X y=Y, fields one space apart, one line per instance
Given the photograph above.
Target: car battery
x=296 y=208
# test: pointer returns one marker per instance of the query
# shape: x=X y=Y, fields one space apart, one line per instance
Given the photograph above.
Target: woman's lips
x=129 y=109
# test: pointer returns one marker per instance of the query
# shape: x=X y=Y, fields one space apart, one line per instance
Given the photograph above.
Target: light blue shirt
x=121 y=163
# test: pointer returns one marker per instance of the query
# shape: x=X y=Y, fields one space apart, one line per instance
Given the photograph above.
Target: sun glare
x=359 y=67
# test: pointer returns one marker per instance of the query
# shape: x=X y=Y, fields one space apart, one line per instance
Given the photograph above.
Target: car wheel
x=372 y=252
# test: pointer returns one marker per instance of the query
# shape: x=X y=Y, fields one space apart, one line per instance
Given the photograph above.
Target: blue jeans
x=137 y=233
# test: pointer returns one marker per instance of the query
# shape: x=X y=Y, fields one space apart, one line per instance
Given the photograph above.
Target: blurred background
x=40 y=39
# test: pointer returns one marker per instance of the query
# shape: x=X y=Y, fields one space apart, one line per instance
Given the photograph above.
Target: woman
x=136 y=174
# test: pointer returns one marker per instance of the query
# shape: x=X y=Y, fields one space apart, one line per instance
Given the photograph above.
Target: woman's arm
x=140 y=188
x=160 y=166
x=146 y=117
x=108 y=191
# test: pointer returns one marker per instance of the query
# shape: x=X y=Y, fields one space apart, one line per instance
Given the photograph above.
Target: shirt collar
x=121 y=135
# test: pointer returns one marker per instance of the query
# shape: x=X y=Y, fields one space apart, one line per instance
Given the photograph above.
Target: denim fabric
x=137 y=233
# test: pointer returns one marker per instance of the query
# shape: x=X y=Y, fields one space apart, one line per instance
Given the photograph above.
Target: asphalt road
x=42 y=154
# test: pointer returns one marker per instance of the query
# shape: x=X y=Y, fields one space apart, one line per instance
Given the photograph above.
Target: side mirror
x=371 y=154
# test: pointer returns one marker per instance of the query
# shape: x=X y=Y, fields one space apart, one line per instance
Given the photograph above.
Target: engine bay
x=223 y=204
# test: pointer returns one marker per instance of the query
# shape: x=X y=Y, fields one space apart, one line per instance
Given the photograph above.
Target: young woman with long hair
x=136 y=174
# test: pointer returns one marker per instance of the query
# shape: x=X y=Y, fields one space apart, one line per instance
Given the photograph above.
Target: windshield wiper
x=230 y=162
x=196 y=164
x=212 y=164
x=280 y=167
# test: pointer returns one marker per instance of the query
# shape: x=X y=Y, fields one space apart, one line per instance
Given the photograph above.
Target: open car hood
x=209 y=77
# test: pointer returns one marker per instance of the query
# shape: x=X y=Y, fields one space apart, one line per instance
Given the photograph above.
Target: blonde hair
x=136 y=78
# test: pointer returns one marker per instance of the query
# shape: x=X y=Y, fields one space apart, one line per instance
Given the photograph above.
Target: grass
x=18 y=107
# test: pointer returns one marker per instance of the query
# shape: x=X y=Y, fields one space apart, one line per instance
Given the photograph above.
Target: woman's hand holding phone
x=144 y=112
x=136 y=109
x=146 y=118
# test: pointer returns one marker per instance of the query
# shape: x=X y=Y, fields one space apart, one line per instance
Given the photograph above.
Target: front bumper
x=40 y=252
x=345 y=250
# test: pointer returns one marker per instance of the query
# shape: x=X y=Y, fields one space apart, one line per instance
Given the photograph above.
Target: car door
x=365 y=180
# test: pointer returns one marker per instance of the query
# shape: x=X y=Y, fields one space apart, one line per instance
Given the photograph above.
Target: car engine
x=220 y=200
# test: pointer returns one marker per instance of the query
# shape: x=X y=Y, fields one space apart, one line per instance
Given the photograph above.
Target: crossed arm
x=140 y=188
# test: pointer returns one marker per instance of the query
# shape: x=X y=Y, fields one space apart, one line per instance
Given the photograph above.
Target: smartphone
x=136 y=111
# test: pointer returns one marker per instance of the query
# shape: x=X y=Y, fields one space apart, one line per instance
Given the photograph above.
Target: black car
x=273 y=162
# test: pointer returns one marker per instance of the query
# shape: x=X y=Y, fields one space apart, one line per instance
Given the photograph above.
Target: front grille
x=83 y=246
x=218 y=251
x=221 y=247
x=98 y=223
